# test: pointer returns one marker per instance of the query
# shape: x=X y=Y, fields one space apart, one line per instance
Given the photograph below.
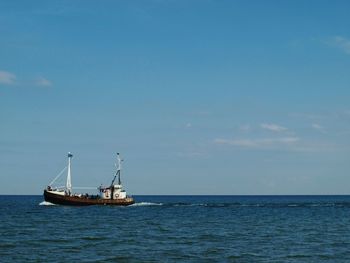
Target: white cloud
x=43 y=82
x=241 y=142
x=284 y=140
x=273 y=127
x=291 y=144
x=192 y=155
x=312 y=117
x=245 y=127
x=317 y=126
x=7 y=77
x=341 y=43
x=258 y=143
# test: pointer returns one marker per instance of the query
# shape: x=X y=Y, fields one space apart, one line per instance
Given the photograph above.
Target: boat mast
x=69 y=177
x=119 y=167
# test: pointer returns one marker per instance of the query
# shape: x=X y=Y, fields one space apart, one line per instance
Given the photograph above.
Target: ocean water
x=178 y=229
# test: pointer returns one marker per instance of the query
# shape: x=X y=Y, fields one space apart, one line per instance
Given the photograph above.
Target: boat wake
x=46 y=203
x=146 y=204
x=262 y=205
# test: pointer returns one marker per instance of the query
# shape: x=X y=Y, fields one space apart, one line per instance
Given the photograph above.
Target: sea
x=178 y=229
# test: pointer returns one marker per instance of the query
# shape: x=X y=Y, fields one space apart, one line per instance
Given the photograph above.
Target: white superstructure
x=114 y=191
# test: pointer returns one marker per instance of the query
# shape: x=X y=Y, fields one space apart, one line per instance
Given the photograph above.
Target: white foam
x=145 y=204
x=46 y=203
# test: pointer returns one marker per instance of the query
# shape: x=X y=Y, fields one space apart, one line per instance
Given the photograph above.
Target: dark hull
x=83 y=201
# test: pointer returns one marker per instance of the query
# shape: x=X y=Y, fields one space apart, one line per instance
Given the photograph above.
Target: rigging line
x=85 y=187
x=58 y=175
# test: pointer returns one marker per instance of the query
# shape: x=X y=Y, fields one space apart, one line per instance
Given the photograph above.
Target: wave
x=46 y=203
x=237 y=204
x=146 y=204
x=250 y=205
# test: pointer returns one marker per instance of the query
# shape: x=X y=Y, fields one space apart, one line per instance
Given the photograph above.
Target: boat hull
x=84 y=201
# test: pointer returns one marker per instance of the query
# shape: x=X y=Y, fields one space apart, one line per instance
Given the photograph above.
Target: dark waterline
x=178 y=228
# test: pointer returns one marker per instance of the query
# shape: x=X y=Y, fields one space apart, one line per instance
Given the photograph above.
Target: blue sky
x=200 y=97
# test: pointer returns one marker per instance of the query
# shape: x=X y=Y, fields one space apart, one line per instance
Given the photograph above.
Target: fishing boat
x=114 y=194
